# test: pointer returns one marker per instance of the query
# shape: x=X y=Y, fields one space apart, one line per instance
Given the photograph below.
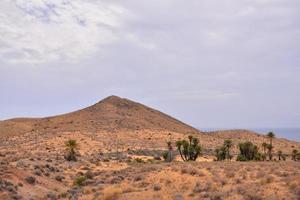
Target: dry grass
x=111 y=193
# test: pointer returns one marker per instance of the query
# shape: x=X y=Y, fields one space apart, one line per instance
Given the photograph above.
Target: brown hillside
x=138 y=126
x=111 y=114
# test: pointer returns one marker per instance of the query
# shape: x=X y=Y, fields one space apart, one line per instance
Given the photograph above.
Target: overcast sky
x=210 y=63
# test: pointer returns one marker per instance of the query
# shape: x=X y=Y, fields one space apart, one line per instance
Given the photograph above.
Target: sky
x=210 y=63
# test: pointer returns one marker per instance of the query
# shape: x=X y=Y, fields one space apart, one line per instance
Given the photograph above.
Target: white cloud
x=39 y=31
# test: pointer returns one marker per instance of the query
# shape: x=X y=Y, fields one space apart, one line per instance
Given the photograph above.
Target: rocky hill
x=136 y=124
x=111 y=114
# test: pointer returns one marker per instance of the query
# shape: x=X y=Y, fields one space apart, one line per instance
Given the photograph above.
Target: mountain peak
x=111 y=98
x=116 y=101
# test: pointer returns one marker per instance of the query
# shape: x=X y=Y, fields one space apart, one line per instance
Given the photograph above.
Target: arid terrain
x=120 y=145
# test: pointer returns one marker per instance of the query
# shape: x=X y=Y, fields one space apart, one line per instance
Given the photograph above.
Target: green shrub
x=71 y=145
x=248 y=151
x=241 y=158
x=80 y=181
x=220 y=153
x=189 y=150
x=165 y=155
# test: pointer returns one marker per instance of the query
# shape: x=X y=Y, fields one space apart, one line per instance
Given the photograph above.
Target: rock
x=89 y=174
x=11 y=189
x=20 y=164
x=157 y=157
x=90 y=182
x=51 y=196
x=30 y=179
x=16 y=197
x=115 y=180
x=85 y=168
x=73 y=192
x=38 y=172
x=36 y=167
x=52 y=169
x=59 y=178
x=138 y=178
x=156 y=187
x=178 y=196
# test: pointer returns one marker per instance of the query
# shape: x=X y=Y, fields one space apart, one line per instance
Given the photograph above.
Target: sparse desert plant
x=270 y=149
x=280 y=155
x=111 y=193
x=295 y=155
x=71 y=145
x=165 y=155
x=80 y=181
x=139 y=160
x=264 y=146
x=228 y=145
x=223 y=152
x=248 y=151
x=168 y=155
x=220 y=153
x=271 y=136
x=189 y=150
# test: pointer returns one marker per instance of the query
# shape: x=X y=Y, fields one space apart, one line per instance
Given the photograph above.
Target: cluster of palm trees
x=223 y=152
x=190 y=149
x=249 y=151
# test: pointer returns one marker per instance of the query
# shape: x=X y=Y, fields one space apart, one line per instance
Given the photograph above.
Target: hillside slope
x=111 y=114
x=137 y=125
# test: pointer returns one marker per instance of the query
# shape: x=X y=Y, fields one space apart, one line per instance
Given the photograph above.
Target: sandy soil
x=41 y=156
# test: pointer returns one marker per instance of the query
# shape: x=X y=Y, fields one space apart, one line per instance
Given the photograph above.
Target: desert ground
x=119 y=156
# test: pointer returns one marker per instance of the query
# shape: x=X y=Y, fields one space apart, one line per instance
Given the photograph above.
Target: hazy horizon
x=208 y=63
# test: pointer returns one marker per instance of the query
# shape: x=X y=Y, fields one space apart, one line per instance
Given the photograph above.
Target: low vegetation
x=223 y=152
x=248 y=151
x=71 y=145
x=80 y=181
x=295 y=155
x=189 y=150
x=169 y=155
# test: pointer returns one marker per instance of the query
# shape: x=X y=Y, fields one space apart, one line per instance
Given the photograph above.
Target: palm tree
x=179 y=144
x=264 y=146
x=270 y=148
x=271 y=135
x=189 y=150
x=228 y=145
x=294 y=154
x=71 y=146
x=280 y=155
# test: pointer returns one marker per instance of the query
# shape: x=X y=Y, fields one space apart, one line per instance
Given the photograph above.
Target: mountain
x=137 y=125
x=110 y=114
